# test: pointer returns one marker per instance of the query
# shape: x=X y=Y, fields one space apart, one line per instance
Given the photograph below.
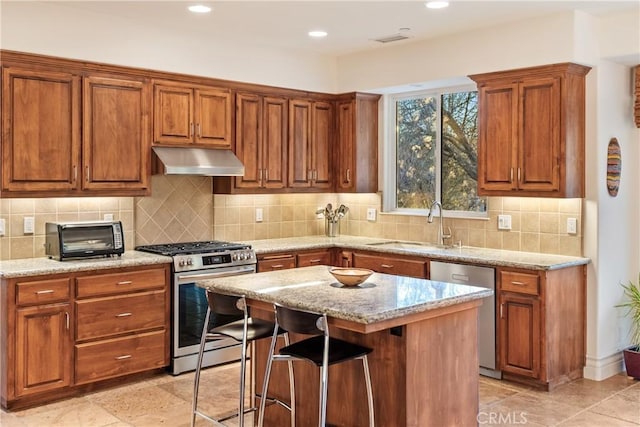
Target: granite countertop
x=382 y=297
x=36 y=266
x=466 y=254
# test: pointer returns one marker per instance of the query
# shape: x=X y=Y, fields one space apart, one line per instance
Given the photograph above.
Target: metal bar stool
x=245 y=331
x=320 y=350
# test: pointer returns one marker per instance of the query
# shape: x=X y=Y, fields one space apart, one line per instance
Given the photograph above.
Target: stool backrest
x=300 y=321
x=226 y=304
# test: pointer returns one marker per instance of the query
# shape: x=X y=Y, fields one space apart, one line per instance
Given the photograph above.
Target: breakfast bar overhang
x=424 y=364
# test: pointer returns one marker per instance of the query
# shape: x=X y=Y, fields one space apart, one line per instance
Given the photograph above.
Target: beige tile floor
x=164 y=400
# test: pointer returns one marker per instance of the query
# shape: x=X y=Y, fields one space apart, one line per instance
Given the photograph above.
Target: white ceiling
x=352 y=25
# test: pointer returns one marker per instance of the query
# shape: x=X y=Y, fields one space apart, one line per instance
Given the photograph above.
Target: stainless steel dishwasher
x=484 y=277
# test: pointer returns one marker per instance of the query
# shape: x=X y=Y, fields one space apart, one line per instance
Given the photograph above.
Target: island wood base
x=424 y=373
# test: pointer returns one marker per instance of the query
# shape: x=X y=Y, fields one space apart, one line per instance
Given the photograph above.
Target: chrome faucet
x=441 y=235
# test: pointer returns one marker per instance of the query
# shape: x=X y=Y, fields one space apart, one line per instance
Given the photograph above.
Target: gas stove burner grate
x=185 y=248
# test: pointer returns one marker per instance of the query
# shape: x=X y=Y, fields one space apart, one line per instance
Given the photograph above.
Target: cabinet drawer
x=120 y=356
x=276 y=262
x=101 y=317
x=519 y=282
x=117 y=283
x=314 y=258
x=391 y=265
x=42 y=291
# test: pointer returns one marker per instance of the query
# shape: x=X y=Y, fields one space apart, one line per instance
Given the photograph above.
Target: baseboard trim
x=599 y=369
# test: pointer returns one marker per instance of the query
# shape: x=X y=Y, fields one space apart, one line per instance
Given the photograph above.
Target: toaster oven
x=73 y=240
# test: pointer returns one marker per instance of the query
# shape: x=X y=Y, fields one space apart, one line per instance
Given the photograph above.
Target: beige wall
x=15 y=244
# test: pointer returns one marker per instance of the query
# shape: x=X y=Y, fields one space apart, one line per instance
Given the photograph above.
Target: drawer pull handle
x=124 y=314
x=277 y=266
x=126 y=356
x=46 y=291
x=313 y=261
x=386 y=265
x=124 y=282
x=518 y=283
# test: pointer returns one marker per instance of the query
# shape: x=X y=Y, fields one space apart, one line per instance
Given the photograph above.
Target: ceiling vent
x=392 y=38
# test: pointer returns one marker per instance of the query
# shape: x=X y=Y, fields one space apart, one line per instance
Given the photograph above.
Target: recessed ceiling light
x=317 y=34
x=199 y=8
x=437 y=4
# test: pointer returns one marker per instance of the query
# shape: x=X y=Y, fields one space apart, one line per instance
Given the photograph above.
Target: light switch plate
x=108 y=217
x=504 y=222
x=3 y=225
x=572 y=226
x=29 y=225
x=371 y=214
x=259 y=213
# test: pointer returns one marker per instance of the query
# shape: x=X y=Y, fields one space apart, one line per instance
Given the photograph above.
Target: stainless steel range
x=198 y=261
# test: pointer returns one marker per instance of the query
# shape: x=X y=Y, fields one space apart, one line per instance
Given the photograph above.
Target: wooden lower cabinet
x=119 y=356
x=391 y=264
x=273 y=262
x=541 y=325
x=42 y=349
x=62 y=332
x=323 y=257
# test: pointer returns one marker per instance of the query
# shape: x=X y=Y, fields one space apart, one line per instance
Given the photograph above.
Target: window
x=433 y=152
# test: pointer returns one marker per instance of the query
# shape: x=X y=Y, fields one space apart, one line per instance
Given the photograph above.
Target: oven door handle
x=206 y=276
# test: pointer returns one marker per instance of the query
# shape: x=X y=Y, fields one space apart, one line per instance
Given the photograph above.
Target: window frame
x=389 y=152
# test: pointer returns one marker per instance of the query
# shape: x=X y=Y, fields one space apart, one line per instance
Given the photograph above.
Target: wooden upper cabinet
x=311 y=126
x=261 y=141
x=40 y=130
x=184 y=114
x=531 y=131
x=357 y=143
x=116 y=134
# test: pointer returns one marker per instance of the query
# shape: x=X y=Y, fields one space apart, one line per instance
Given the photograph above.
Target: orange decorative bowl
x=350 y=276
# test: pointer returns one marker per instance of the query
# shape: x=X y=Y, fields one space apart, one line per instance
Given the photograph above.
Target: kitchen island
x=424 y=364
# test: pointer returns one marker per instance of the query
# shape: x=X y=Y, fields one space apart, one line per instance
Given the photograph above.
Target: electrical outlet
x=320 y=215
x=29 y=225
x=2 y=226
x=572 y=226
x=108 y=217
x=371 y=214
x=259 y=212
x=504 y=222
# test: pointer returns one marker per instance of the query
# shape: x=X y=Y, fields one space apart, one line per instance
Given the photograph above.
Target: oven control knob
x=241 y=256
x=189 y=261
x=181 y=263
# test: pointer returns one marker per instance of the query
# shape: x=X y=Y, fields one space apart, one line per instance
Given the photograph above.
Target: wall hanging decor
x=614 y=167
x=637 y=103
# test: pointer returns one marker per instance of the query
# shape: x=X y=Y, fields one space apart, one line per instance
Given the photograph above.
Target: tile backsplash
x=182 y=208
x=16 y=244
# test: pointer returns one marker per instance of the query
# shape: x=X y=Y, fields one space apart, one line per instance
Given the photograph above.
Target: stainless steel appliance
x=200 y=261
x=71 y=240
x=483 y=277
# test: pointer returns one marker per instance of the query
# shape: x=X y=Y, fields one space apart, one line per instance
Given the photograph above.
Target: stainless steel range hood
x=199 y=161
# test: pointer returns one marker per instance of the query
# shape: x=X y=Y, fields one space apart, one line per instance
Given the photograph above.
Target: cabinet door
x=274 y=145
x=172 y=114
x=300 y=169
x=520 y=347
x=322 y=125
x=41 y=130
x=345 y=146
x=43 y=349
x=539 y=154
x=498 y=142
x=249 y=140
x=115 y=145
x=213 y=117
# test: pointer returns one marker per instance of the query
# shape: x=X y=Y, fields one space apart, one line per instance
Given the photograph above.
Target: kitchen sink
x=397 y=244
